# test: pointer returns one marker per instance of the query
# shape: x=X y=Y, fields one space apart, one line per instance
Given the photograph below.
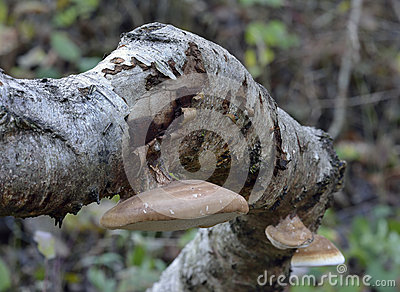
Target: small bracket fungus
x=177 y=206
x=289 y=233
x=321 y=252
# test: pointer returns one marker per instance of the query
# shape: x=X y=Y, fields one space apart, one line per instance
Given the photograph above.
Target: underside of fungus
x=177 y=206
x=321 y=252
x=289 y=233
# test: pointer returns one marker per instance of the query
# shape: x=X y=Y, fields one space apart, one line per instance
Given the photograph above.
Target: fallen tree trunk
x=68 y=142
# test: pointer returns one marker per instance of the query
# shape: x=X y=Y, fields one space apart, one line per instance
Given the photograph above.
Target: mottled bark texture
x=61 y=147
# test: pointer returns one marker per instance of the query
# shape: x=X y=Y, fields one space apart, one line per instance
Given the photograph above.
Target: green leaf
x=88 y=63
x=267 y=57
x=250 y=58
x=5 y=282
x=67 y=17
x=159 y=265
x=272 y=34
x=99 y=280
x=272 y=3
x=329 y=233
x=394 y=225
x=26 y=30
x=255 y=71
x=46 y=72
x=302 y=289
x=377 y=271
x=65 y=48
x=3 y=12
x=86 y=7
x=382 y=212
x=348 y=151
x=349 y=288
x=254 y=33
x=186 y=237
x=72 y=278
x=344 y=6
x=137 y=256
x=275 y=33
x=46 y=244
x=138 y=278
x=375 y=244
x=108 y=259
x=40 y=273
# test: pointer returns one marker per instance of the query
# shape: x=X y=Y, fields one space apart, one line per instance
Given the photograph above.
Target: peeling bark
x=61 y=144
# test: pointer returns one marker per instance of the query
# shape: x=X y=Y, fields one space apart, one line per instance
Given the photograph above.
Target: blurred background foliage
x=294 y=48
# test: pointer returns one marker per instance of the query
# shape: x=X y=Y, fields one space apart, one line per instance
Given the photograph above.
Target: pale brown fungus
x=289 y=233
x=177 y=206
x=321 y=252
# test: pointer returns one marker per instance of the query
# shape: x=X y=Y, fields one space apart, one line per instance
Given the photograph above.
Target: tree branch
x=63 y=143
x=349 y=58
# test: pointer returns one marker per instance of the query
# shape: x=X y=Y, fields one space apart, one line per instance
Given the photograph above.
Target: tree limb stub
x=62 y=144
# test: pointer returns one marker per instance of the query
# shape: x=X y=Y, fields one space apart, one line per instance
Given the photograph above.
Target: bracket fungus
x=177 y=206
x=321 y=252
x=289 y=233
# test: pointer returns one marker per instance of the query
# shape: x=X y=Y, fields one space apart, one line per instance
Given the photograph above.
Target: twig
x=362 y=99
x=349 y=57
x=312 y=97
x=396 y=8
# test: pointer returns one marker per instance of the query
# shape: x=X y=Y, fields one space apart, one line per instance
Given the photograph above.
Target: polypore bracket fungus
x=312 y=249
x=289 y=233
x=177 y=206
x=321 y=252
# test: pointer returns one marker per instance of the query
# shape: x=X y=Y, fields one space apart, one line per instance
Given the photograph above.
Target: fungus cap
x=289 y=233
x=177 y=206
x=321 y=252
